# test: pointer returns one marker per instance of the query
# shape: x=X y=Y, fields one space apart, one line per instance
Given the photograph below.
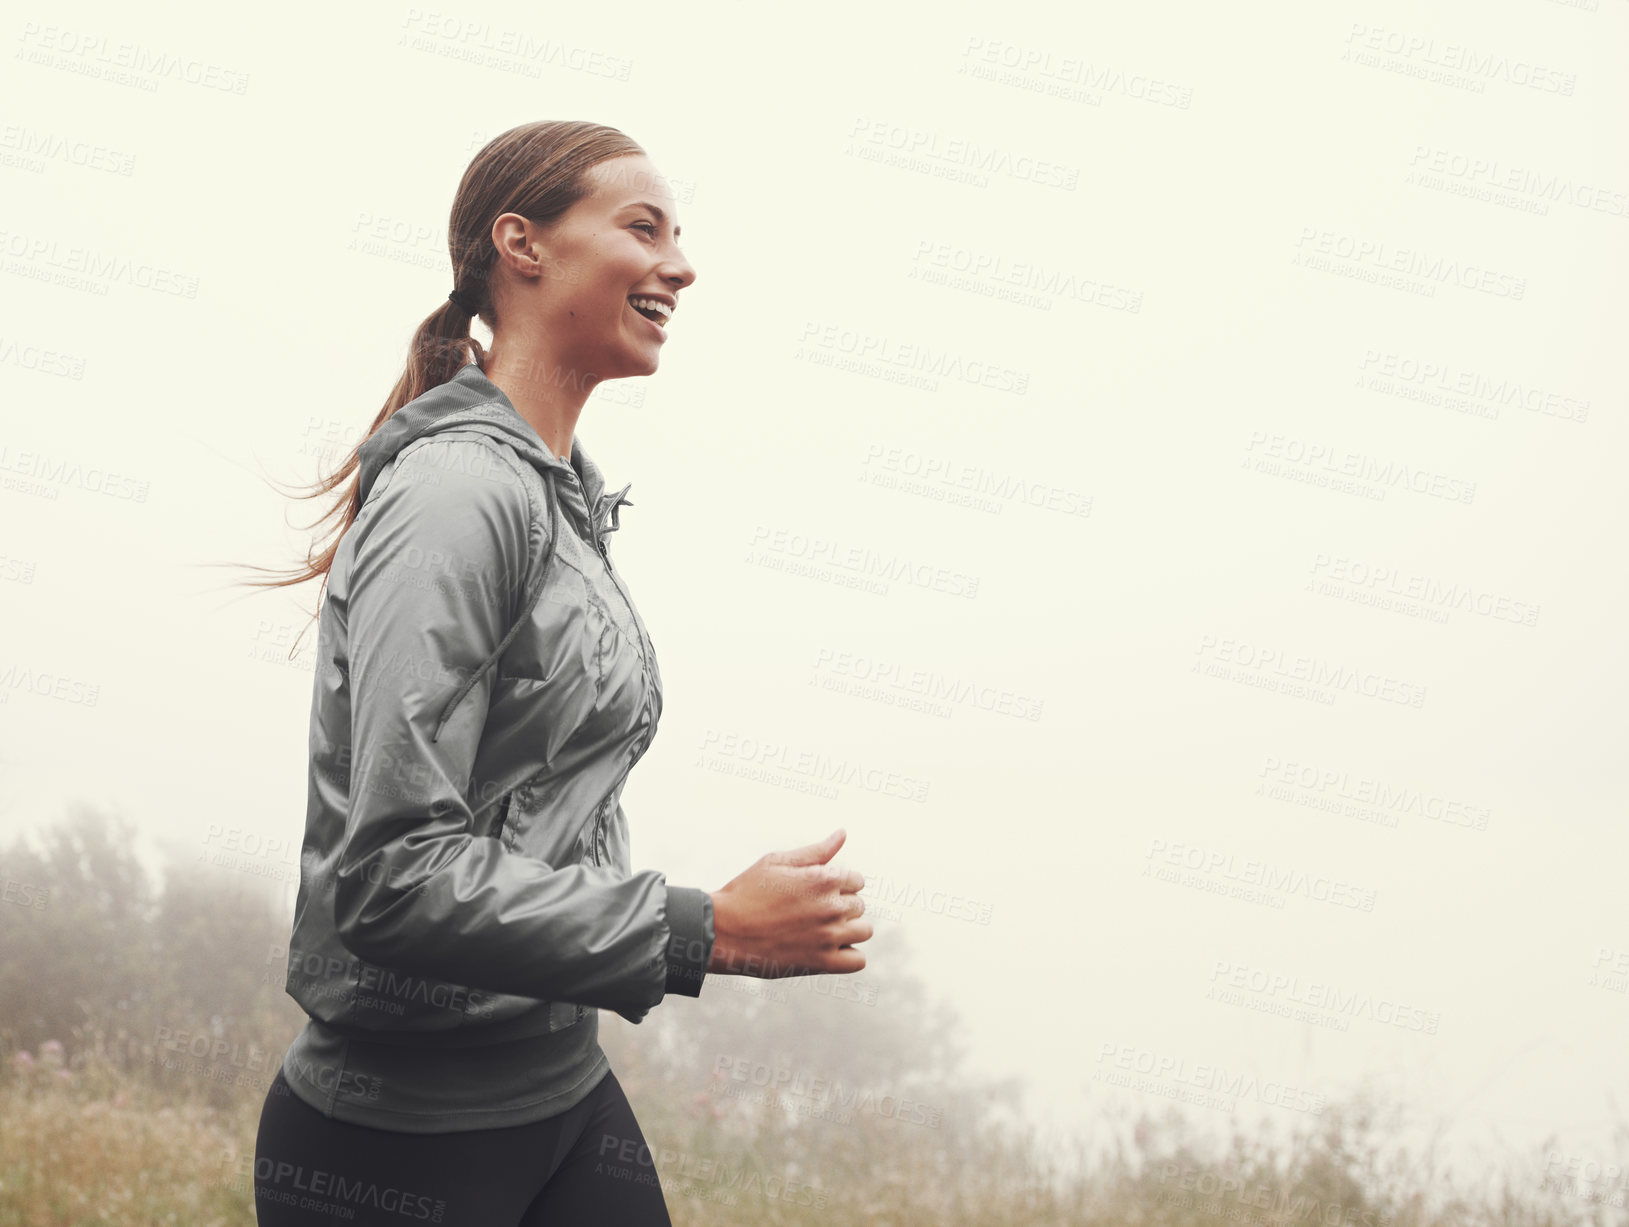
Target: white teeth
x=653 y=304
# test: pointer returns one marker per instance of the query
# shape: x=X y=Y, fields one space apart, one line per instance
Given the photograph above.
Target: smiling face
x=581 y=276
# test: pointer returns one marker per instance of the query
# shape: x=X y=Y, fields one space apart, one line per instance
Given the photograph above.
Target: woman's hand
x=790 y=914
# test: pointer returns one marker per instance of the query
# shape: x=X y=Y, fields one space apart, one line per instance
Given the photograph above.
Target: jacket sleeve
x=441 y=558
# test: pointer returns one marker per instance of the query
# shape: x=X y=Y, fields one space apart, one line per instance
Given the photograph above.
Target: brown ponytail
x=535 y=170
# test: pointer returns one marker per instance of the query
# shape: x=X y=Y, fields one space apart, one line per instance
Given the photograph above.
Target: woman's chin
x=642 y=364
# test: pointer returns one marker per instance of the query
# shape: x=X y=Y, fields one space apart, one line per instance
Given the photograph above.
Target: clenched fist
x=790 y=914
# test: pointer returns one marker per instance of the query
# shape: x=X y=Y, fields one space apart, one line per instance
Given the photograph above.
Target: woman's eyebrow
x=660 y=216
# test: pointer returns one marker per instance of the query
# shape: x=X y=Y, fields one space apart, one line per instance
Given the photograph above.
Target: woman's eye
x=650 y=226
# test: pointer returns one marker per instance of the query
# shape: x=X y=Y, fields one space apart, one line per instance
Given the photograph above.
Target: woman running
x=484 y=685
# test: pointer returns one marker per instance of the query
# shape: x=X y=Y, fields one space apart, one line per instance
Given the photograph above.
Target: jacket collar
x=588 y=502
x=469 y=399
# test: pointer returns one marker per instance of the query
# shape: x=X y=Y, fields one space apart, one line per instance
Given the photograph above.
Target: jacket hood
x=448 y=407
x=471 y=401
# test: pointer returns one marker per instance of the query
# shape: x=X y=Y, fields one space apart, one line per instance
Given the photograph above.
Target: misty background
x=1152 y=476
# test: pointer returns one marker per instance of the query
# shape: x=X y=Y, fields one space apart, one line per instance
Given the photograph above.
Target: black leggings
x=587 y=1165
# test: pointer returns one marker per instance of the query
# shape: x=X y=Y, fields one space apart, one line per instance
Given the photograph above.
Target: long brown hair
x=536 y=170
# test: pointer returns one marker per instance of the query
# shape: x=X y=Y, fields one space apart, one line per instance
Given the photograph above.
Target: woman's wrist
x=719 y=958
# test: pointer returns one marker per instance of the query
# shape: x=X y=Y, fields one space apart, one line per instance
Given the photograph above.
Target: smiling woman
x=484 y=685
x=584 y=297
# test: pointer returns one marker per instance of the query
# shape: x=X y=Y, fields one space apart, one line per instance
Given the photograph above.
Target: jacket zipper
x=594 y=837
x=644 y=661
x=594 y=534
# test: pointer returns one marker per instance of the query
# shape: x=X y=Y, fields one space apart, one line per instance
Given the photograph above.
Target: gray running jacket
x=483 y=687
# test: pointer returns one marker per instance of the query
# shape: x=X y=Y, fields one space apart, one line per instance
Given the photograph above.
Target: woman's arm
x=437 y=572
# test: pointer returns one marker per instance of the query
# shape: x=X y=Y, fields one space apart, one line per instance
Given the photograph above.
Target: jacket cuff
x=690 y=919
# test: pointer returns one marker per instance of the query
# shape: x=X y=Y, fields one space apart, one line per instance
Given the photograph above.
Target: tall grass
x=139 y=1033
x=86 y=1142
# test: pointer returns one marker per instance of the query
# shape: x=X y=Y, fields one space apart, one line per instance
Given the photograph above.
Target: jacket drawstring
x=531 y=602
